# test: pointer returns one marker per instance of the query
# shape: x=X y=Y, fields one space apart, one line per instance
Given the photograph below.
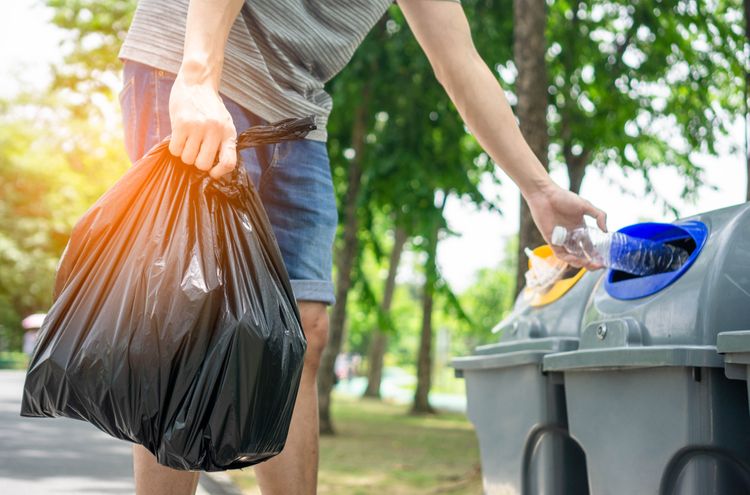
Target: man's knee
x=315 y=325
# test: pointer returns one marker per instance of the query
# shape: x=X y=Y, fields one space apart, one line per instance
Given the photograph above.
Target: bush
x=13 y=361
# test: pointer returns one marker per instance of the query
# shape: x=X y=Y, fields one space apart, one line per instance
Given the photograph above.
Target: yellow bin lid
x=560 y=287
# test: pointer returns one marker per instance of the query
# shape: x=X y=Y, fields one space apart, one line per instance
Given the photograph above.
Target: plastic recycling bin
x=736 y=349
x=517 y=410
x=646 y=393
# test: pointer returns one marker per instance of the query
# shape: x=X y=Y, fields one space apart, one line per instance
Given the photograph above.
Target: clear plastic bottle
x=620 y=251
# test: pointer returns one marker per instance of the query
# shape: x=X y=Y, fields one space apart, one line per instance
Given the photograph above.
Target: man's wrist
x=535 y=186
x=201 y=69
x=533 y=178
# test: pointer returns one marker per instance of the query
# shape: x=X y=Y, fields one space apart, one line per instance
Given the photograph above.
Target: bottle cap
x=559 y=233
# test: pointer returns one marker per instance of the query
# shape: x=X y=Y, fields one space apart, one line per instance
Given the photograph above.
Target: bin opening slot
x=687 y=243
x=689 y=235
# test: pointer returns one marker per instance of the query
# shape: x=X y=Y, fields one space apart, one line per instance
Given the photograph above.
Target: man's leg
x=151 y=478
x=295 y=470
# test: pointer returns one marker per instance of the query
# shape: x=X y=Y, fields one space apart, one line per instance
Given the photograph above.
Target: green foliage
x=13 y=361
x=47 y=180
x=643 y=84
x=417 y=151
x=416 y=141
x=363 y=311
x=487 y=301
x=97 y=28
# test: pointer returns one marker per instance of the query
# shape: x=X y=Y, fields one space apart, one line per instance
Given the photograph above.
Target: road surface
x=41 y=456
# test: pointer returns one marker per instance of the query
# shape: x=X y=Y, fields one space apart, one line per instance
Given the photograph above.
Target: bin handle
x=678 y=462
x=528 y=451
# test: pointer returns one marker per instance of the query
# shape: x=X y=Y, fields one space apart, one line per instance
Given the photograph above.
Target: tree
x=379 y=338
x=421 y=403
x=345 y=259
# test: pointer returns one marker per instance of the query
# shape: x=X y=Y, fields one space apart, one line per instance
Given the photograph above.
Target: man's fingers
x=177 y=142
x=568 y=258
x=601 y=220
x=190 y=151
x=559 y=251
x=227 y=158
x=599 y=215
x=580 y=263
x=209 y=150
x=573 y=261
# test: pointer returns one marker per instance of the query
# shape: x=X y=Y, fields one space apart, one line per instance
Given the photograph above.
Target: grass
x=444 y=381
x=379 y=448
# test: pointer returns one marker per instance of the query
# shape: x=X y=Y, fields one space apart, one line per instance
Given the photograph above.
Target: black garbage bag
x=174 y=324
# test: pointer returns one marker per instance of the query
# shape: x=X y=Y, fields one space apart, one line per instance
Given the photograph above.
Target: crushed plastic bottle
x=620 y=251
x=544 y=272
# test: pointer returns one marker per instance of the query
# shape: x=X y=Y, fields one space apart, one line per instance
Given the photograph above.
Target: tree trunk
x=379 y=341
x=424 y=358
x=576 y=171
x=576 y=164
x=529 y=48
x=345 y=258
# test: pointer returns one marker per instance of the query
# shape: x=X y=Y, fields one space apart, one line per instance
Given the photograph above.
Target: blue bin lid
x=638 y=287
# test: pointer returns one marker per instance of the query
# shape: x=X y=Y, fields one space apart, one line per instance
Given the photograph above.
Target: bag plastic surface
x=174 y=324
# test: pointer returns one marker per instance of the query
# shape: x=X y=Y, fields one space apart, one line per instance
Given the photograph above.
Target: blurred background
x=641 y=106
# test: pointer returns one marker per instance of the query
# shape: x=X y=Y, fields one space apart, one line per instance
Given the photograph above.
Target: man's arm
x=201 y=124
x=443 y=32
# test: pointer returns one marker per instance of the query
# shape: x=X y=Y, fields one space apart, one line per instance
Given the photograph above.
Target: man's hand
x=201 y=127
x=552 y=205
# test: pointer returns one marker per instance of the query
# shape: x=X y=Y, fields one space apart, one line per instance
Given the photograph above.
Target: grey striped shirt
x=279 y=54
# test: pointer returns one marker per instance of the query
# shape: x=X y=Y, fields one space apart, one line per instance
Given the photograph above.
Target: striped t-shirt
x=279 y=54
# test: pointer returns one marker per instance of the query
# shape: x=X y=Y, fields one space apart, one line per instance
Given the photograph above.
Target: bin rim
x=733 y=342
x=633 y=358
x=495 y=361
x=549 y=344
x=515 y=353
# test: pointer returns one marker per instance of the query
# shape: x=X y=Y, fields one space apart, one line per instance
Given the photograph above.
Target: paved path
x=40 y=456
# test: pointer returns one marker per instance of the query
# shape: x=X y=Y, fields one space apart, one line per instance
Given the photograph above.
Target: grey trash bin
x=646 y=393
x=517 y=410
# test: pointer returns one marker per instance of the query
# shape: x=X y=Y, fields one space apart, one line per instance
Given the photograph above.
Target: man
x=201 y=69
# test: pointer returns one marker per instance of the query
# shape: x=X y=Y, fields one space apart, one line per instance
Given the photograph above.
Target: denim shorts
x=293 y=178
